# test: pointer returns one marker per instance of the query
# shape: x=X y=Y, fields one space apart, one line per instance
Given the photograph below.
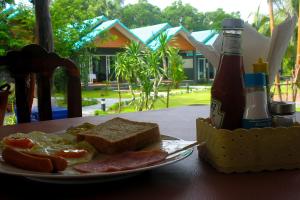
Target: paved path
x=89 y=110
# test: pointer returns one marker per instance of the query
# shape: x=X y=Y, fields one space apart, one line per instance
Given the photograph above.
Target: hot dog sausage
x=26 y=161
x=59 y=163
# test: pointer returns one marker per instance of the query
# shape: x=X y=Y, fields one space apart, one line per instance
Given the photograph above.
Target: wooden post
x=168 y=95
x=287 y=90
x=195 y=67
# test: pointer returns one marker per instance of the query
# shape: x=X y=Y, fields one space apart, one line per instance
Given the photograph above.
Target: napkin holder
x=244 y=150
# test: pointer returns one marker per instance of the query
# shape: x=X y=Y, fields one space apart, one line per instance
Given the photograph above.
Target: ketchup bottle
x=228 y=93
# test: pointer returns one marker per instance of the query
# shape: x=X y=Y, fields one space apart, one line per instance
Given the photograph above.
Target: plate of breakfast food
x=115 y=149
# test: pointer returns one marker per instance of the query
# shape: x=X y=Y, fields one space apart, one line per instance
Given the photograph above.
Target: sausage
x=26 y=161
x=59 y=163
x=34 y=161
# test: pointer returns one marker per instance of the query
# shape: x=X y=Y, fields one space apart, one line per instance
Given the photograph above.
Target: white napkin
x=280 y=39
x=256 y=45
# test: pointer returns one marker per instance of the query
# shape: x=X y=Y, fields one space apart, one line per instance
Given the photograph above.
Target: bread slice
x=119 y=135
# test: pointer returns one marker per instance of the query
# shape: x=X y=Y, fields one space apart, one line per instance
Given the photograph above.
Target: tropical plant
x=120 y=70
x=176 y=71
x=261 y=22
x=155 y=71
x=147 y=69
x=163 y=51
x=128 y=64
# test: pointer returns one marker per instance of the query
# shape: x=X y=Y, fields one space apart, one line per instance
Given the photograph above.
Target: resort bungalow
x=204 y=70
x=117 y=36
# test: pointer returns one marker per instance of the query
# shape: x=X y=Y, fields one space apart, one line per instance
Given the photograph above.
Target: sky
x=245 y=7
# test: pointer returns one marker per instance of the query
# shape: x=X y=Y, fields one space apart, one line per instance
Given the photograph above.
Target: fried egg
x=64 y=145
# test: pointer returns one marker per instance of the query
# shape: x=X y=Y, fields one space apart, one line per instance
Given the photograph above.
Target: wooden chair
x=4 y=92
x=34 y=59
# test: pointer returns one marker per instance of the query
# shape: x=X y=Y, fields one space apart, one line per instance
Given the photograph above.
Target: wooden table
x=191 y=178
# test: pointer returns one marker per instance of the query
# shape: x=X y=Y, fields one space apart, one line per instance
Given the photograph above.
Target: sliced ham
x=123 y=161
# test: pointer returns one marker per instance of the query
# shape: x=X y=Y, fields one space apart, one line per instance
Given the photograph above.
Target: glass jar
x=283 y=113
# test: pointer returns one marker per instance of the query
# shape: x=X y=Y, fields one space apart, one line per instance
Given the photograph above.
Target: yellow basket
x=252 y=150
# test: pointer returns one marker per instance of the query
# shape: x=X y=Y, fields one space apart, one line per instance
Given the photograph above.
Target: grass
x=104 y=94
x=199 y=97
x=99 y=94
x=185 y=99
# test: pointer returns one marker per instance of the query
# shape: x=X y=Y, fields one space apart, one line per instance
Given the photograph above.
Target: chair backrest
x=35 y=59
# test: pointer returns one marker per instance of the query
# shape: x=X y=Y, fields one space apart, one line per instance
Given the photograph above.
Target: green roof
x=206 y=37
x=148 y=33
x=212 y=39
x=170 y=32
x=97 y=30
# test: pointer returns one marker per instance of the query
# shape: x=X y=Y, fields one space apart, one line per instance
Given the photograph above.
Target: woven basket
x=252 y=150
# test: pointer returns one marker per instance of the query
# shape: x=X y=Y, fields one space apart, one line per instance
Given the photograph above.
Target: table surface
x=191 y=178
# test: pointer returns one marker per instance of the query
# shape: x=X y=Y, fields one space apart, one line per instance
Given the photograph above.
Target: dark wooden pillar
x=45 y=39
x=195 y=67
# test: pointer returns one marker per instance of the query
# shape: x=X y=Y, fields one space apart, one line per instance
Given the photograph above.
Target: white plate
x=178 y=149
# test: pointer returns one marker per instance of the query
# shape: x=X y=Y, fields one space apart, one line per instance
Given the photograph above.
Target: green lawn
x=184 y=99
x=104 y=94
x=100 y=94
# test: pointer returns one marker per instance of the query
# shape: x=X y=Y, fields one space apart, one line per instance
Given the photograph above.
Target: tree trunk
x=44 y=27
x=277 y=78
x=131 y=91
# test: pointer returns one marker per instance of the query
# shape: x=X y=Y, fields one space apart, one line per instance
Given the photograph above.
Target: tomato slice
x=23 y=143
x=72 y=153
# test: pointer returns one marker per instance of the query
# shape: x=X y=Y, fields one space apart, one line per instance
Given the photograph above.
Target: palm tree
x=261 y=22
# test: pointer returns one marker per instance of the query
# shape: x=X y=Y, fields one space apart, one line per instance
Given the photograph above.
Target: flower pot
x=4 y=92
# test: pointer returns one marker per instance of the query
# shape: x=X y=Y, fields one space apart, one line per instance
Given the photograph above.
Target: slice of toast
x=119 y=135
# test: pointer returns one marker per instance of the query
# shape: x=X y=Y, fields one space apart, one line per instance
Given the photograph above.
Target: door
x=201 y=64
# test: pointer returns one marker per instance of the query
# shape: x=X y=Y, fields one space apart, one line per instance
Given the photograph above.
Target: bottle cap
x=233 y=23
x=255 y=80
x=260 y=67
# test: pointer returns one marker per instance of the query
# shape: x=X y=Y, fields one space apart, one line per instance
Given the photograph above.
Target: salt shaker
x=283 y=113
x=256 y=113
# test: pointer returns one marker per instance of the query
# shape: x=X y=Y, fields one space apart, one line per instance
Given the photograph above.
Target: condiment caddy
x=246 y=131
x=243 y=150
